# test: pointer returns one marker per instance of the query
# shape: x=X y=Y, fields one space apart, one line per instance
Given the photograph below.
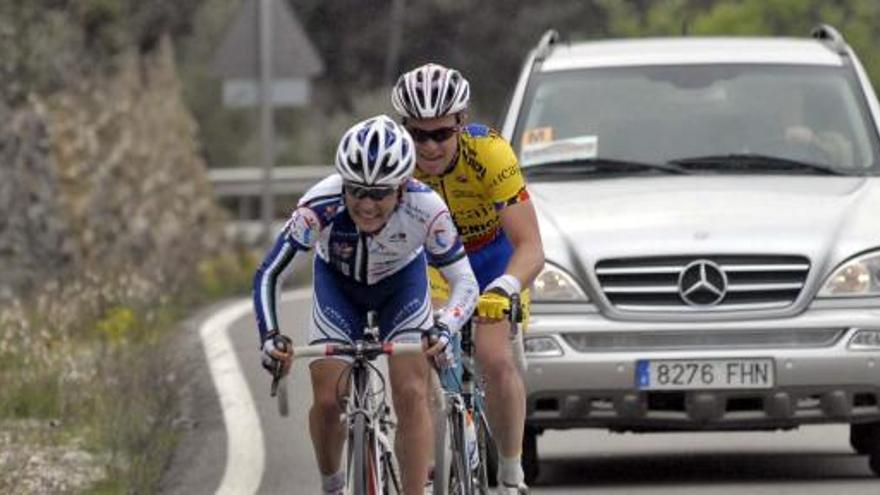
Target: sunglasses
x=374 y=193
x=437 y=135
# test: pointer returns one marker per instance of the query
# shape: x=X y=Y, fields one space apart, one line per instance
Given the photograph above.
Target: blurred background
x=112 y=116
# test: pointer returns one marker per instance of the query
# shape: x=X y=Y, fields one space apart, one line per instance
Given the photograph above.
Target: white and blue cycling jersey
x=355 y=272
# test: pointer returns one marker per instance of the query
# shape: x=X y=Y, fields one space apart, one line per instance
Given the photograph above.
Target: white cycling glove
x=440 y=333
x=277 y=342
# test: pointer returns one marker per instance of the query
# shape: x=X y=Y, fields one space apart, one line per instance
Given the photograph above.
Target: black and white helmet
x=376 y=152
x=430 y=91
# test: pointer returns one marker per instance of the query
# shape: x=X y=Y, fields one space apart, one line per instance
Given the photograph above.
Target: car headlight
x=865 y=340
x=554 y=284
x=541 y=347
x=859 y=276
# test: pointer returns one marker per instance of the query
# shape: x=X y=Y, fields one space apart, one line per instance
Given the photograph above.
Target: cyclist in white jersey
x=374 y=229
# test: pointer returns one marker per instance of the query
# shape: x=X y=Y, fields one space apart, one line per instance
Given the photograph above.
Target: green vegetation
x=109 y=384
x=46 y=45
x=468 y=36
x=87 y=361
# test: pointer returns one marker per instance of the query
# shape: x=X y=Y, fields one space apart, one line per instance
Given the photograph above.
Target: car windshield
x=704 y=118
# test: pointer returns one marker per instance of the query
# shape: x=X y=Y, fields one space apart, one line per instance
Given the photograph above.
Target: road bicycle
x=459 y=470
x=467 y=472
x=371 y=467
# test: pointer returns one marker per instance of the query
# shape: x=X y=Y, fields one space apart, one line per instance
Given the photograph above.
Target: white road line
x=245 y=453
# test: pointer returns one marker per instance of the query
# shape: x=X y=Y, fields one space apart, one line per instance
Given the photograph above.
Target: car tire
x=530 y=463
x=864 y=437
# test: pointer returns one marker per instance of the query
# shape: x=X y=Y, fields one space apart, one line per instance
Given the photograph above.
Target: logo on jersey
x=342 y=250
x=443 y=232
x=414 y=211
x=330 y=210
x=303 y=226
x=440 y=238
x=398 y=237
x=505 y=174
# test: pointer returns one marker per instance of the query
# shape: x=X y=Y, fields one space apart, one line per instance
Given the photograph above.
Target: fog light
x=865 y=340
x=541 y=347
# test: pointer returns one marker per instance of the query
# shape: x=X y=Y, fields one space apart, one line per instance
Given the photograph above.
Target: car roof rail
x=545 y=45
x=830 y=36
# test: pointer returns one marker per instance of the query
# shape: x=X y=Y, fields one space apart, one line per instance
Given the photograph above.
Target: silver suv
x=710 y=209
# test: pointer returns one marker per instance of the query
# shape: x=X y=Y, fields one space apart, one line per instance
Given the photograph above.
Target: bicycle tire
x=358 y=457
x=460 y=476
x=389 y=480
x=487 y=470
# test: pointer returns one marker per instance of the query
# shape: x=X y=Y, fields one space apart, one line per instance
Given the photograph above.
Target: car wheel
x=531 y=467
x=864 y=437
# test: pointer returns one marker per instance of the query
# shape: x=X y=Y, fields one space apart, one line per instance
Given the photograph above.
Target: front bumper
x=815 y=382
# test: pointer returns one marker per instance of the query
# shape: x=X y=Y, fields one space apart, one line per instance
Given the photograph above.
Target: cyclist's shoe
x=520 y=489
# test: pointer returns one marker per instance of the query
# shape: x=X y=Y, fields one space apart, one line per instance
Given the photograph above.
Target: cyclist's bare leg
x=505 y=391
x=409 y=391
x=328 y=432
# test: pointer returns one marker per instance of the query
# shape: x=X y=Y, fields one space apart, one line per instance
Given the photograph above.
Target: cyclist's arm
x=299 y=234
x=507 y=188
x=462 y=294
x=520 y=223
x=446 y=252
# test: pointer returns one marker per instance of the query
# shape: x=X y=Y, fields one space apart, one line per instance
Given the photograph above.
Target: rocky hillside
x=100 y=174
x=108 y=226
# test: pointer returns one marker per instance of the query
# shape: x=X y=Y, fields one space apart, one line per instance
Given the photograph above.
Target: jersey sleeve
x=314 y=212
x=442 y=243
x=503 y=179
x=267 y=282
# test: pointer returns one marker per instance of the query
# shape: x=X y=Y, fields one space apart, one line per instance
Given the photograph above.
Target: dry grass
x=89 y=366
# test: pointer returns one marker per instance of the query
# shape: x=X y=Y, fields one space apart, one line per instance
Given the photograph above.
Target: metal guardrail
x=248 y=181
x=239 y=189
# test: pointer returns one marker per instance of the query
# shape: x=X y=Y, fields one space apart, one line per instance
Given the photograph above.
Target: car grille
x=703 y=339
x=749 y=282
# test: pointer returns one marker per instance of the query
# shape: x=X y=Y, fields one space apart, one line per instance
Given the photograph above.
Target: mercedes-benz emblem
x=702 y=283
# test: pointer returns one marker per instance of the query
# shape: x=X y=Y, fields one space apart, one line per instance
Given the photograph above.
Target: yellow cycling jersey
x=485 y=179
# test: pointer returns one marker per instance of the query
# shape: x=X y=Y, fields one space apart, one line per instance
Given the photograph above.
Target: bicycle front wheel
x=484 y=472
x=361 y=467
x=461 y=481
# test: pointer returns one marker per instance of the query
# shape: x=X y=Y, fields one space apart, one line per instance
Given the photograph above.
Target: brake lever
x=514 y=315
x=278 y=369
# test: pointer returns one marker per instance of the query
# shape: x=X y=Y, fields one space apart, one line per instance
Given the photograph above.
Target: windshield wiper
x=754 y=162
x=601 y=166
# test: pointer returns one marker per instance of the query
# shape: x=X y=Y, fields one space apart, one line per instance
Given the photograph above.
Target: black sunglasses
x=437 y=135
x=375 y=193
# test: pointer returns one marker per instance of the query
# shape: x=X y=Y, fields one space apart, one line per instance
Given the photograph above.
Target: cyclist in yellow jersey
x=476 y=172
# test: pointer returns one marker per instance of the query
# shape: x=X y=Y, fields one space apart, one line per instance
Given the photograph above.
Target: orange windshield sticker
x=537 y=135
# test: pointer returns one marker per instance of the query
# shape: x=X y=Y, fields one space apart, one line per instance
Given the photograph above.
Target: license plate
x=685 y=374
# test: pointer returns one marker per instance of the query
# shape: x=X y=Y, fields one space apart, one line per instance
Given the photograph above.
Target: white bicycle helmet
x=376 y=152
x=430 y=91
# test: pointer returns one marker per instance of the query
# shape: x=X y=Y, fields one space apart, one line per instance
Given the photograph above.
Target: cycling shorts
x=340 y=305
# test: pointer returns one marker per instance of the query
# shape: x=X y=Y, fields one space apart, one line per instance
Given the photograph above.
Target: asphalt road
x=813 y=460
